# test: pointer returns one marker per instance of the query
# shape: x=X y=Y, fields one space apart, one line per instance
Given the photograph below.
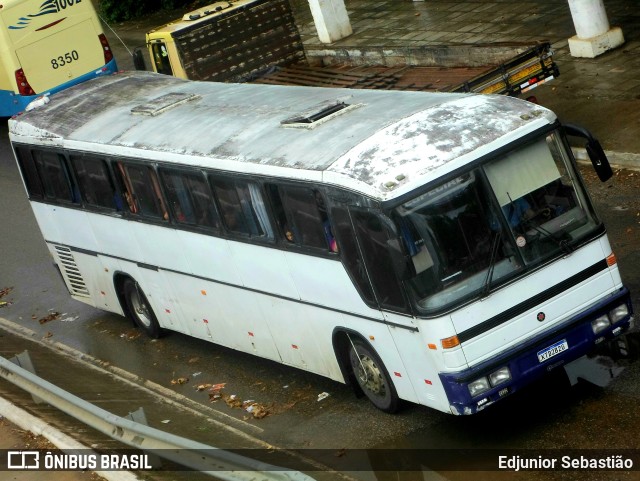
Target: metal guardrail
x=224 y=465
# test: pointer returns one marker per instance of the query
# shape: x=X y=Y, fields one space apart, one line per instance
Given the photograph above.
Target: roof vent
x=163 y=103
x=319 y=114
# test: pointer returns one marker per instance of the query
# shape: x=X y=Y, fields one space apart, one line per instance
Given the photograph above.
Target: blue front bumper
x=523 y=361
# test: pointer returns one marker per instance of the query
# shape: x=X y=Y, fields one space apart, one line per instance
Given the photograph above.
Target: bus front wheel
x=140 y=309
x=372 y=377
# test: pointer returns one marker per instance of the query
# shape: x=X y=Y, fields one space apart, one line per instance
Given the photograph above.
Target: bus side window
x=350 y=253
x=373 y=237
x=55 y=176
x=242 y=207
x=189 y=197
x=307 y=221
x=142 y=190
x=96 y=185
x=29 y=172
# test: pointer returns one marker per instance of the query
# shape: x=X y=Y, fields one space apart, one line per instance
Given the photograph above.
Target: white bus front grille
x=70 y=272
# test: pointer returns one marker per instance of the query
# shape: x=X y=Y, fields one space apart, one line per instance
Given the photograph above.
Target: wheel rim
x=140 y=309
x=369 y=375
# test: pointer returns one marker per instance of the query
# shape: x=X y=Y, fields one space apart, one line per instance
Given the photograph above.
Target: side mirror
x=138 y=59
x=596 y=154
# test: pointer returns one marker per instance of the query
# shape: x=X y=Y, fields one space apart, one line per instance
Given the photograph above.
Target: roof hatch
x=163 y=103
x=319 y=114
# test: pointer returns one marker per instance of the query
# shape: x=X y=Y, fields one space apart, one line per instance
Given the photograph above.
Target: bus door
x=368 y=247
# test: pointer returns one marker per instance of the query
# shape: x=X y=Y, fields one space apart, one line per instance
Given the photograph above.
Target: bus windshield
x=484 y=227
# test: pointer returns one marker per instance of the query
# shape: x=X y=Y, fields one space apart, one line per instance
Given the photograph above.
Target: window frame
x=275 y=188
x=117 y=194
x=162 y=170
x=268 y=233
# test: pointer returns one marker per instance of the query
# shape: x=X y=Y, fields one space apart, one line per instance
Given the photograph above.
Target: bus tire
x=372 y=377
x=140 y=309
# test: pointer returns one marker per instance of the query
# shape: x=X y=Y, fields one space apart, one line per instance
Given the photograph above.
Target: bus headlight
x=478 y=386
x=618 y=313
x=600 y=324
x=501 y=375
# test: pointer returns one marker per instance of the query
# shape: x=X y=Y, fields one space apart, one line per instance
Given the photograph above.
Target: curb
x=623 y=160
x=28 y=422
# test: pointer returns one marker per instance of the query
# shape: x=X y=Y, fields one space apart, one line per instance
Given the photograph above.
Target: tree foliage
x=119 y=10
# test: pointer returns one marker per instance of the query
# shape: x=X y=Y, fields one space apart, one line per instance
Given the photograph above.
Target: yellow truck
x=258 y=41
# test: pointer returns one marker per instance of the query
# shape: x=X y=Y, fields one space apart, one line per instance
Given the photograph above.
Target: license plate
x=553 y=350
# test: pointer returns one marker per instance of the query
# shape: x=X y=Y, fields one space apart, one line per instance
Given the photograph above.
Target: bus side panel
x=302 y=333
x=209 y=257
x=263 y=271
x=421 y=366
x=226 y=315
x=326 y=282
x=45 y=217
x=113 y=236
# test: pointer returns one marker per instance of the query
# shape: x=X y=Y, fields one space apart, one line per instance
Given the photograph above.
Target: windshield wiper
x=563 y=243
x=492 y=263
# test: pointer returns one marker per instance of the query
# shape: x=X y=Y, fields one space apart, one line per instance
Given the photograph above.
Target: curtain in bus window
x=261 y=210
x=94 y=181
x=373 y=237
x=29 y=172
x=234 y=199
x=146 y=191
x=521 y=172
x=55 y=177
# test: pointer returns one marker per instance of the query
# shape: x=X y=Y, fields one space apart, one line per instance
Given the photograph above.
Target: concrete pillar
x=594 y=36
x=331 y=19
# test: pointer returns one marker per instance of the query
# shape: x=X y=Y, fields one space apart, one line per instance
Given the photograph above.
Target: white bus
x=434 y=248
x=46 y=46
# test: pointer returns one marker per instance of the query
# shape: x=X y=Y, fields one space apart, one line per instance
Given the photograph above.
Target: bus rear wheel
x=372 y=377
x=140 y=309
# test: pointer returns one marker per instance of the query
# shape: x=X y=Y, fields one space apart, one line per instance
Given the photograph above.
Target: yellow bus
x=46 y=46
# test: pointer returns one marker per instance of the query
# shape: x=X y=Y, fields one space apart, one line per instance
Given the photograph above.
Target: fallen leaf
x=50 y=317
x=5 y=290
x=180 y=380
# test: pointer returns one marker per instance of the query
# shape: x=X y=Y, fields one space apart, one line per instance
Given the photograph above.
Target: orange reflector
x=450 y=342
x=611 y=260
x=203 y=292
x=372 y=338
x=432 y=346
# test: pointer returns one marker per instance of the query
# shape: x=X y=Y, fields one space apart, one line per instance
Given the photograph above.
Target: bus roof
x=383 y=144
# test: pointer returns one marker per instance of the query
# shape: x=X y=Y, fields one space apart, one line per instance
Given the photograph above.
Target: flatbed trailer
x=258 y=41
